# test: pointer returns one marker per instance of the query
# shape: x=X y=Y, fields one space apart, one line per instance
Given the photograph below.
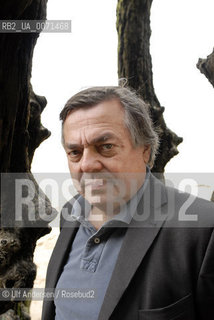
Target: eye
x=74 y=152
x=107 y=146
x=74 y=155
x=107 y=149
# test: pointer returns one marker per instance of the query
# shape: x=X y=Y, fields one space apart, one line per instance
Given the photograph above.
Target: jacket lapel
x=139 y=236
x=60 y=252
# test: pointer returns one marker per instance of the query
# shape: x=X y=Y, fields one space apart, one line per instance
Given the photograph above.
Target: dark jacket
x=165 y=268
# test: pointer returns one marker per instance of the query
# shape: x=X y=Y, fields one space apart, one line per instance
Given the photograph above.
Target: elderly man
x=129 y=250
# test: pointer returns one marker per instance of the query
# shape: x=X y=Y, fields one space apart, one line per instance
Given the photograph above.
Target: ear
x=146 y=153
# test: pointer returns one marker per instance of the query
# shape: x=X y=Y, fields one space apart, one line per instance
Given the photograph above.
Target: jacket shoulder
x=189 y=209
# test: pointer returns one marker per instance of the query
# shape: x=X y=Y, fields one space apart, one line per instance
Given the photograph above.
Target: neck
x=98 y=216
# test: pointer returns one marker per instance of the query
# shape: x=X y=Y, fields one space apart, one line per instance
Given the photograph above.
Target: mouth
x=94 y=184
x=96 y=180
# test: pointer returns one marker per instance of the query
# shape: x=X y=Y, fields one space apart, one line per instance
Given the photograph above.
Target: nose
x=90 y=161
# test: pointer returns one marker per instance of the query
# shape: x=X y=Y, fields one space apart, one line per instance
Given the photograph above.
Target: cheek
x=76 y=180
x=112 y=164
x=72 y=165
x=135 y=163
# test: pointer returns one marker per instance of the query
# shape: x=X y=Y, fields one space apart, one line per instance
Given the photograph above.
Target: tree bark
x=135 y=65
x=206 y=66
x=21 y=132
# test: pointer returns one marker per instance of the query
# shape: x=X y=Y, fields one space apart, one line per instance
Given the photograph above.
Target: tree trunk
x=135 y=65
x=21 y=133
x=206 y=66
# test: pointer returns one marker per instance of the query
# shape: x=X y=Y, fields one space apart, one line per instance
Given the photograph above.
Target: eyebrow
x=102 y=138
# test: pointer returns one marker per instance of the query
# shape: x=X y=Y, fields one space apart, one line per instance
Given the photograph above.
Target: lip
x=95 y=184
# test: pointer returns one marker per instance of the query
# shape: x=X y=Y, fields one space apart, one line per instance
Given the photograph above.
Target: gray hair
x=137 y=116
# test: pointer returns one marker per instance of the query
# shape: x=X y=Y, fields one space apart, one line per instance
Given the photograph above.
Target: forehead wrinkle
x=71 y=146
x=103 y=137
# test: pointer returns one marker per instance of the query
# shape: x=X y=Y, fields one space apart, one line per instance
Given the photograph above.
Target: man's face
x=104 y=164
